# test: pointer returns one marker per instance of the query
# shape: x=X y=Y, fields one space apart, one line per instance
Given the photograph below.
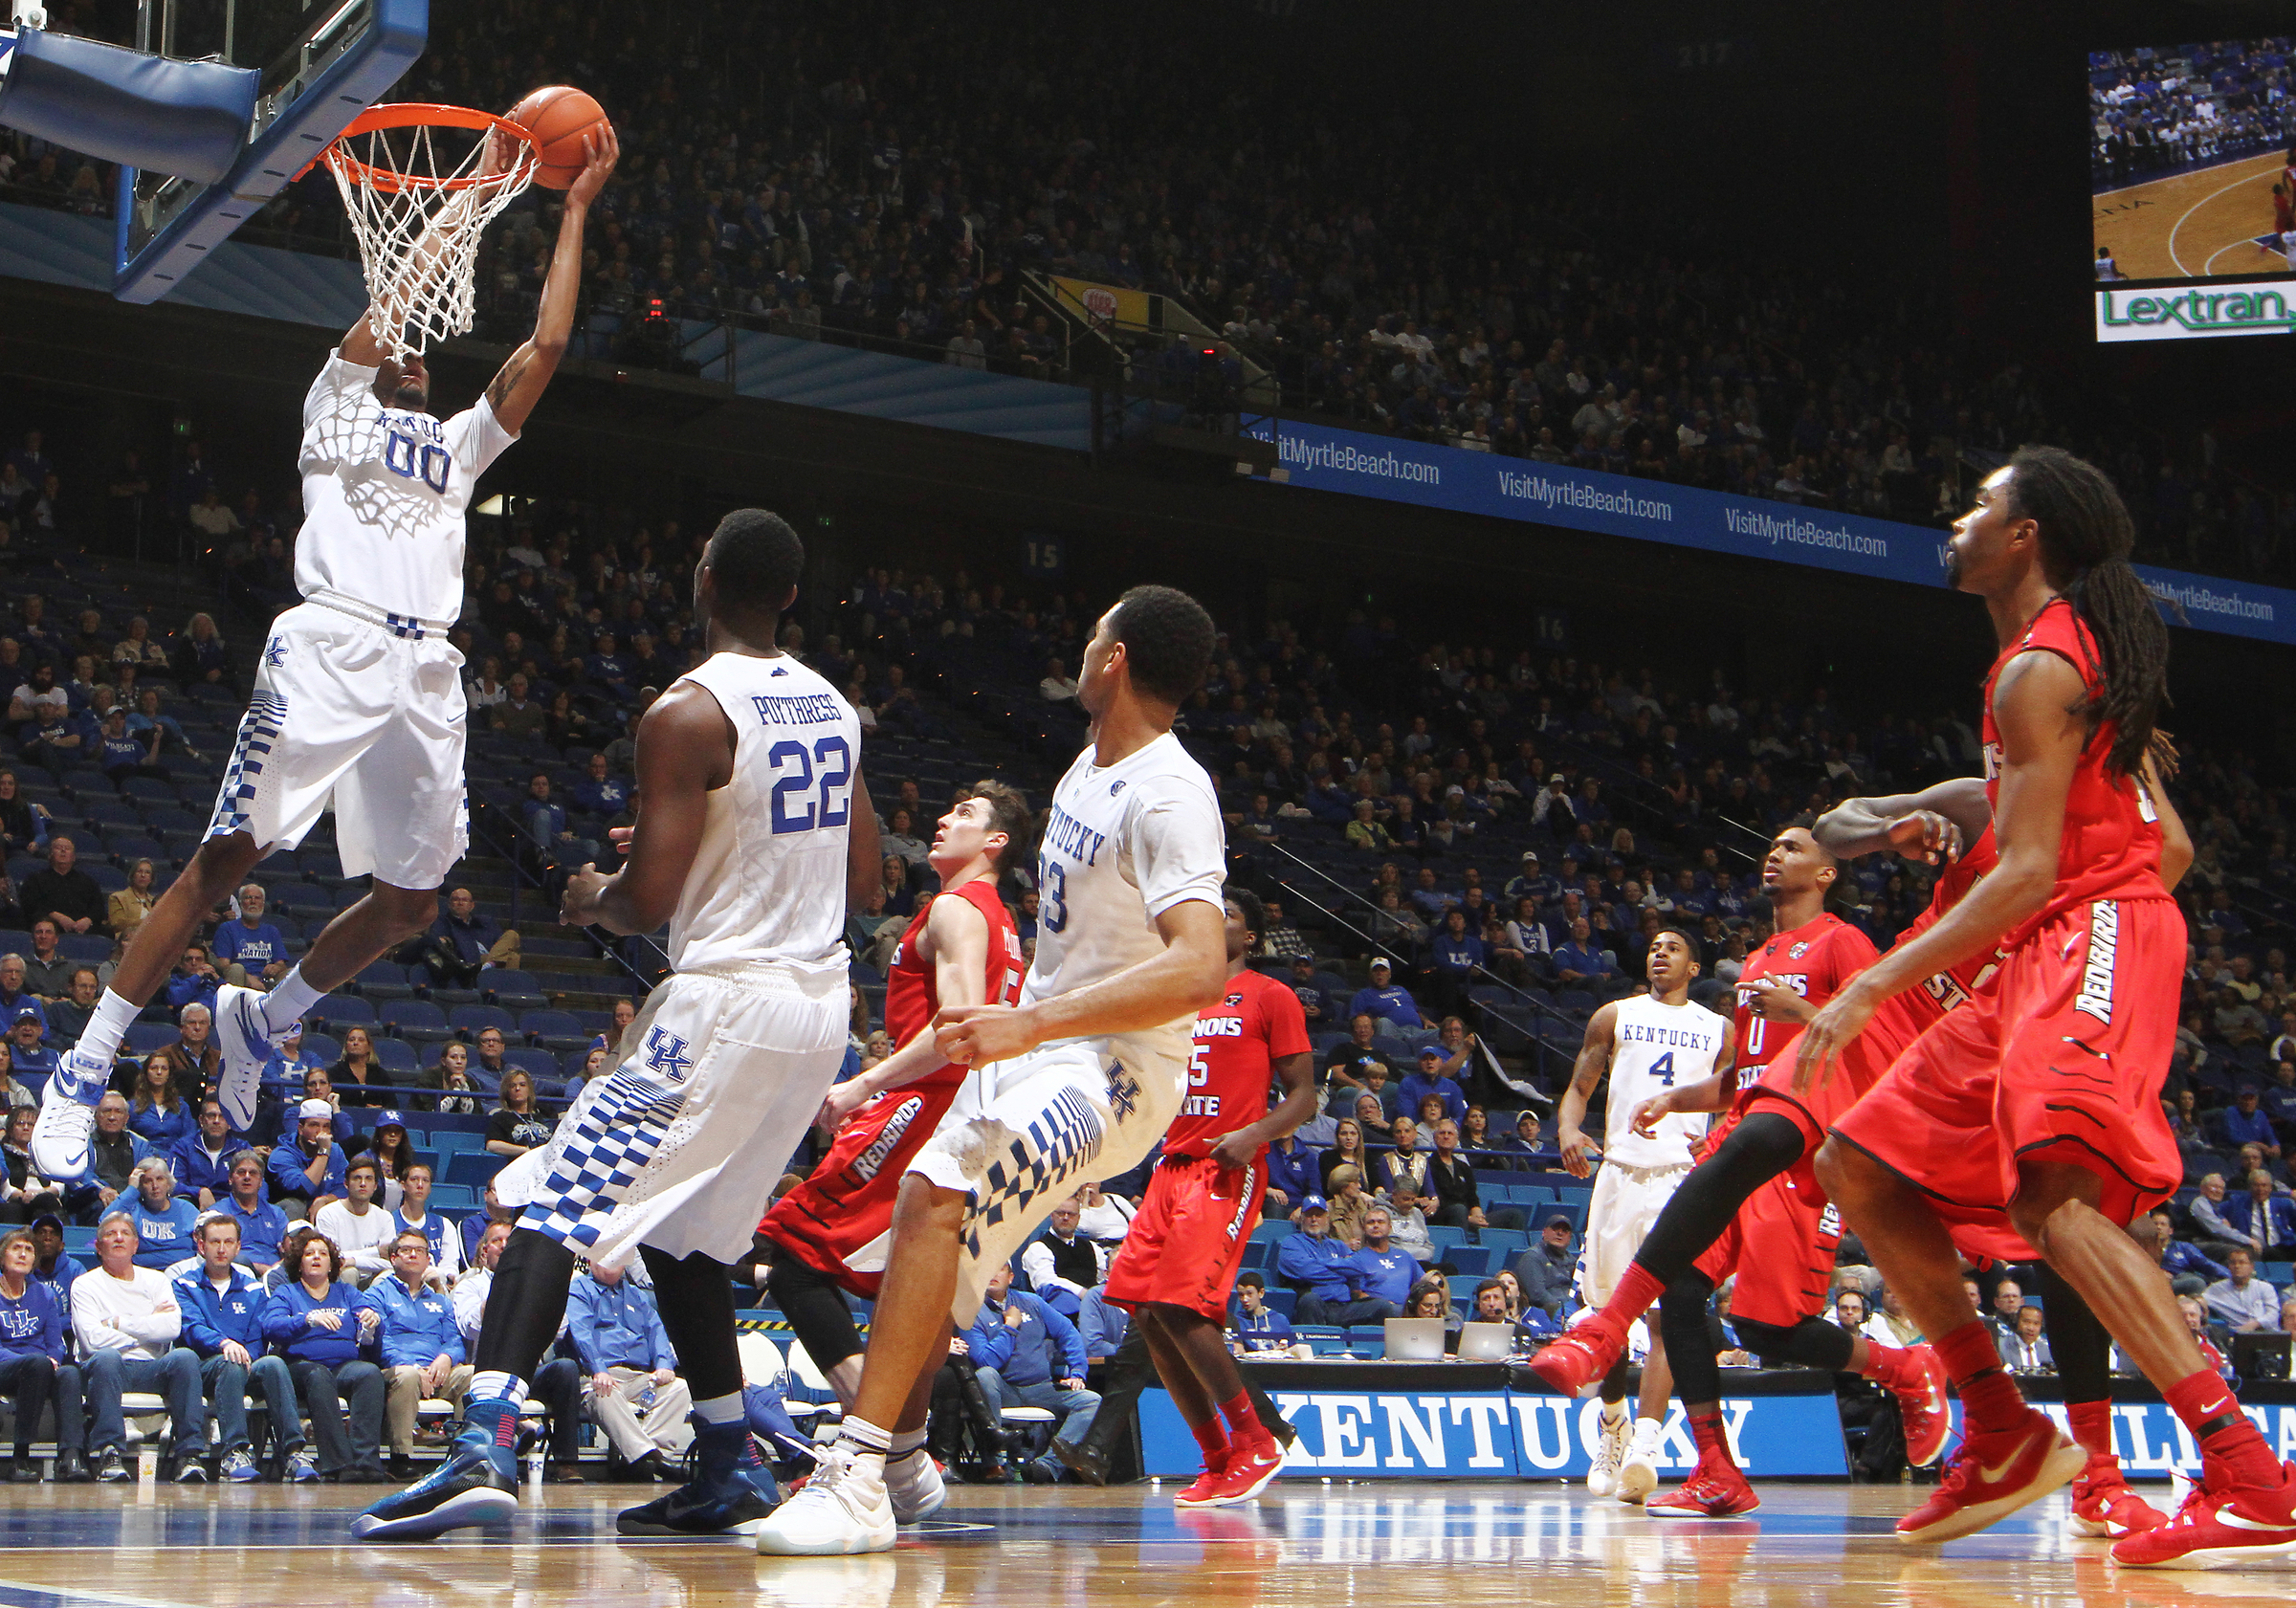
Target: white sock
x=903 y=1442
x=1646 y=1431
x=496 y=1386
x=721 y=1409
x=1613 y=1413
x=288 y=1001
x=868 y=1444
x=107 y=1025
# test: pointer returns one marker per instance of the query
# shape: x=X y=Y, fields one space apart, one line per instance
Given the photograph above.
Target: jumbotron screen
x=2192 y=178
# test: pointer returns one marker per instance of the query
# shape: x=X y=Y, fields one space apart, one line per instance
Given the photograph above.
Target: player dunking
x=357 y=699
x=1079 y=1081
x=833 y=1230
x=1182 y=1254
x=1646 y=1044
x=754 y=831
x=2039 y=1101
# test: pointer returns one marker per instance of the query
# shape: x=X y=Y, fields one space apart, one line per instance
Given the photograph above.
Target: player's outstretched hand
x=1926 y=835
x=1773 y=1001
x=840 y=1102
x=1828 y=1036
x=599 y=150
x=1645 y=1117
x=579 y=907
x=975 y=1035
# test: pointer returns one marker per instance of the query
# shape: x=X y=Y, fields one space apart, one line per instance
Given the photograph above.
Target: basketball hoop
x=419 y=210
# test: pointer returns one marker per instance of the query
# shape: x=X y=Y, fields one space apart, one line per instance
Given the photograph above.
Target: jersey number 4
x=796 y=779
x=1662 y=1068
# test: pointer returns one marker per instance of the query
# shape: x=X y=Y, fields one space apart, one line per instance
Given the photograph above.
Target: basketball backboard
x=322 y=63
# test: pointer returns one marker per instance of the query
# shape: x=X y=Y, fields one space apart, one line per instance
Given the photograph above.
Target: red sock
x=2093 y=1426
x=1211 y=1437
x=1244 y=1425
x=1885 y=1365
x=1989 y=1397
x=1638 y=1291
x=1706 y=1429
x=2208 y=1409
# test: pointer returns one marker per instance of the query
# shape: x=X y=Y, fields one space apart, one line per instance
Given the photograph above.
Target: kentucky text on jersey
x=805 y=708
x=1072 y=837
x=1651 y=1033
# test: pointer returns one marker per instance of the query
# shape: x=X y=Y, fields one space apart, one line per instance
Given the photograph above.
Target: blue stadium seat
x=475 y=1168
x=341 y=1010
x=471 y=1020
x=384 y=980
x=513 y=990
x=454 y=1197
x=553 y=1029
x=539 y=1063
x=446 y=1141
x=418 y=1020
x=145 y=1037
x=82 y=946
x=328 y=1051
x=398 y=1057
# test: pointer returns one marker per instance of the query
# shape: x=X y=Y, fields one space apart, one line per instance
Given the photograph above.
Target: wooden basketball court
x=2195 y=225
x=1306 y=1543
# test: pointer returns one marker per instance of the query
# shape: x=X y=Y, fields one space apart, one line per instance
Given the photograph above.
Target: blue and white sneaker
x=240 y=1468
x=246 y=1042
x=478 y=1484
x=61 y=1138
x=730 y=1492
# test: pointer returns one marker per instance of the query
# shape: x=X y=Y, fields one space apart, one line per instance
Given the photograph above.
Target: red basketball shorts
x=839 y=1221
x=1781 y=1247
x=2063 y=1062
x=1185 y=1244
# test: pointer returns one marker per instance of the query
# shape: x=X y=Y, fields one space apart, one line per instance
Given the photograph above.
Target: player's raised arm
x=1938 y=823
x=519 y=386
x=1713 y=1093
x=685 y=750
x=2175 y=843
x=1594 y=1060
x=956 y=939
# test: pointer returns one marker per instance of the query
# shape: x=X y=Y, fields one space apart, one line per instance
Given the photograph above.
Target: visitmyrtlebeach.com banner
x=1433 y=475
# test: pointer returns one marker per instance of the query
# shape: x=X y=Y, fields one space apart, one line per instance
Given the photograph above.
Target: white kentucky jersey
x=1655 y=1047
x=1124 y=843
x=383 y=494
x=769 y=875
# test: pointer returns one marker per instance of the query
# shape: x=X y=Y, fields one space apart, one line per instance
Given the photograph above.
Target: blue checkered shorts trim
x=258 y=730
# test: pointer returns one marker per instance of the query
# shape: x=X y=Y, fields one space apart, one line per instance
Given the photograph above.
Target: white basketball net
x=419 y=215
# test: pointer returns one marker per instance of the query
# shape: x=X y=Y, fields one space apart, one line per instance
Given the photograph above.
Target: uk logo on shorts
x=274 y=652
x=665 y=1054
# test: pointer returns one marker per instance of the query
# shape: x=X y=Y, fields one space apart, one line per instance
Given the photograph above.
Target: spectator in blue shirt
x=15 y=998
x=464 y=941
x=201 y=1158
x=1102 y=1326
x=262 y=1226
x=164 y=1103
x=1384 y=998
x=635 y=1393
x=119 y=754
x=600 y=793
x=31 y=1347
x=1292 y=1175
x=1318 y=1264
x=1431 y=902
x=1254 y=1325
x=27 y=1055
x=2190 y=1271
x=546 y=825
x=308 y=1169
x=1457 y=956
x=1580 y=964
x=1379 y=1272
x=254 y=951
x=1428 y=1079
x=162 y=1218
x=1321 y=1009
x=223 y=1326
x=1026 y=1354
x=318 y=1323
x=420 y=1342
x=194 y=981
x=2244 y=1123
x=2264 y=1219
x=2279 y=1098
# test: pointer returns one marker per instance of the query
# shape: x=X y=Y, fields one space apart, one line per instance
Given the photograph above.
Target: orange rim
x=413 y=114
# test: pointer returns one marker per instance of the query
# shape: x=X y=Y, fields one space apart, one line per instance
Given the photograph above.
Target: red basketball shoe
x=1992 y=1475
x=2221 y=1525
x=1715 y=1489
x=1921 y=1406
x=2105 y=1506
x=1250 y=1470
x=1205 y=1492
x=1575 y=1362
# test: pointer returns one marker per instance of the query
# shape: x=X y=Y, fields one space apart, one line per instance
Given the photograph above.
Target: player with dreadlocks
x=2037 y=1103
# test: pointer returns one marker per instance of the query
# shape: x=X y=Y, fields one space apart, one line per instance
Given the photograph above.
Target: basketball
x=558 y=117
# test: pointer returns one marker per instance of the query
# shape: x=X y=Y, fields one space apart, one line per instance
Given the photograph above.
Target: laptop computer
x=2260 y=1356
x=1414 y=1339
x=1486 y=1342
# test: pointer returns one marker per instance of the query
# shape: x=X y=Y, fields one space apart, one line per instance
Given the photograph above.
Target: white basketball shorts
x=367 y=716
x=679 y=1147
x=1026 y=1133
x=1625 y=1206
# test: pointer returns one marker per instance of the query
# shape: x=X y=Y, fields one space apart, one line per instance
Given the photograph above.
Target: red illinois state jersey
x=1238 y=1042
x=1946 y=990
x=1814 y=961
x=2110 y=849
x=911 y=997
